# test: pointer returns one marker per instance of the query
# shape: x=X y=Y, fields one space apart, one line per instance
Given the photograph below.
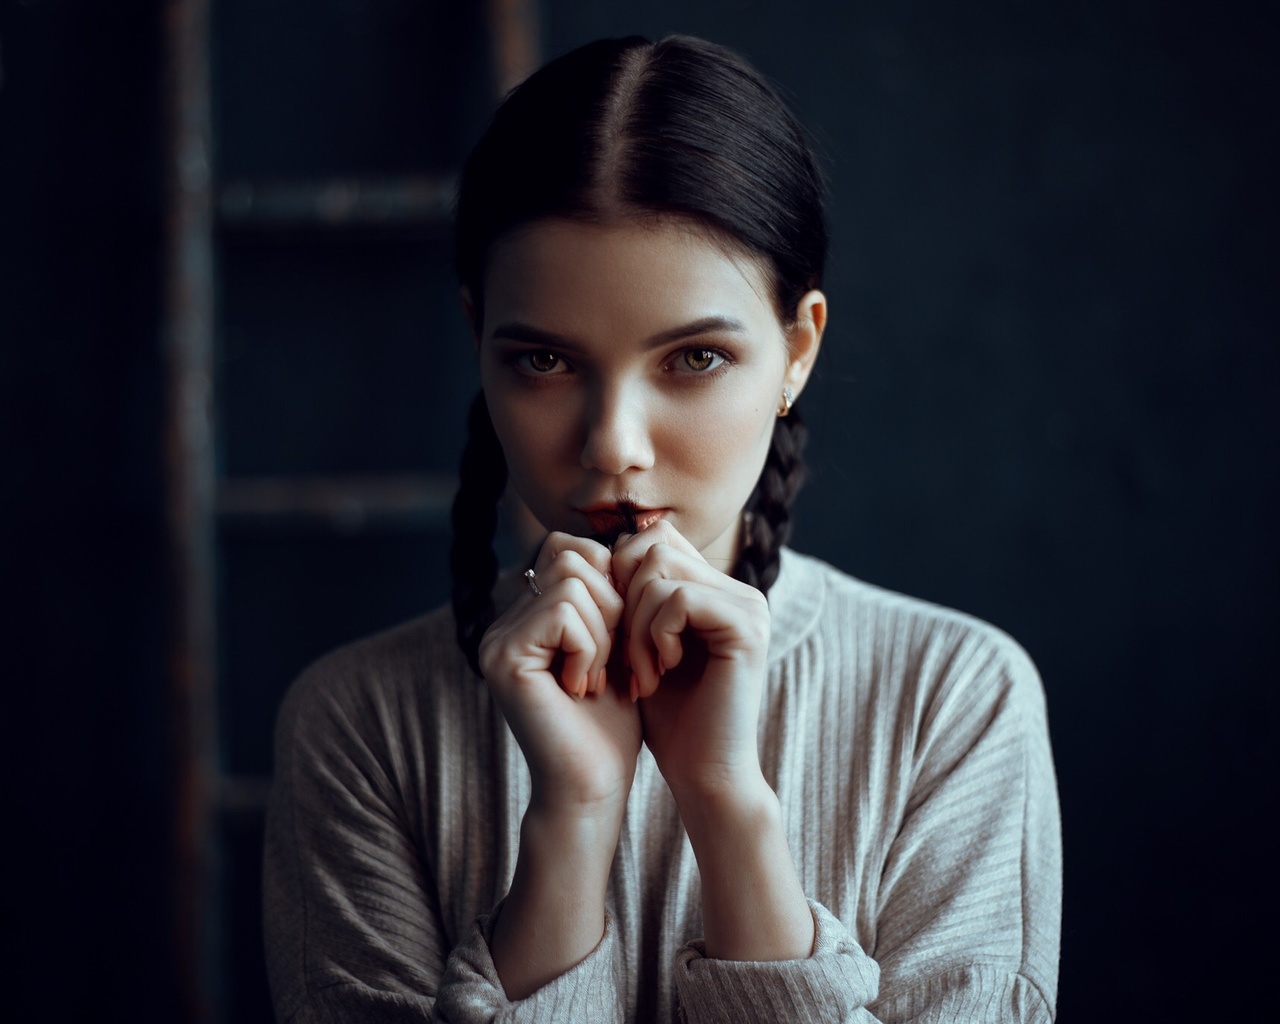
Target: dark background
x=1047 y=397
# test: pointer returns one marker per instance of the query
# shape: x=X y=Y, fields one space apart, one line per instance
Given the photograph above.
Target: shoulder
x=375 y=689
x=392 y=659
x=921 y=650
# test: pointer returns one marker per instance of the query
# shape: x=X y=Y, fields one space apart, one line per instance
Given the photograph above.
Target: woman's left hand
x=697 y=641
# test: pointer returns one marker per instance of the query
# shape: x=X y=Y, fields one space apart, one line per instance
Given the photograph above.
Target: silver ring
x=532 y=579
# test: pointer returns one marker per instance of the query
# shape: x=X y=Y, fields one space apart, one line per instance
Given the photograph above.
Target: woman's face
x=636 y=365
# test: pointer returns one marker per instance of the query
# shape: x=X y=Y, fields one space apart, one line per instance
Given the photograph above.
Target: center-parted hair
x=625 y=129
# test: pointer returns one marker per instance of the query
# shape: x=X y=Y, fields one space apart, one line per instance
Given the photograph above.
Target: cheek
x=724 y=440
x=521 y=418
x=532 y=436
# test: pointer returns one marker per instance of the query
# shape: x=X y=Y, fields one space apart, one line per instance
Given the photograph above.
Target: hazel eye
x=700 y=360
x=541 y=362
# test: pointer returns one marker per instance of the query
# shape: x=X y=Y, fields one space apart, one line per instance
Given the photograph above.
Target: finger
x=666 y=627
x=528 y=646
x=730 y=622
x=592 y=552
x=630 y=548
x=570 y=564
x=554 y=624
x=659 y=560
x=652 y=652
x=561 y=629
x=582 y=667
x=576 y=667
x=564 y=556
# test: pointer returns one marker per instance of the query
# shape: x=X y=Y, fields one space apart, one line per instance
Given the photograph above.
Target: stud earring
x=788 y=399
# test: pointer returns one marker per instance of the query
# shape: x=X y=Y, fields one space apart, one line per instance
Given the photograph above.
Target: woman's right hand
x=546 y=661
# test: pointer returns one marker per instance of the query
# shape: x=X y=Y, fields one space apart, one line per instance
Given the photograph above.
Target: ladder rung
x=346 y=503
x=341 y=202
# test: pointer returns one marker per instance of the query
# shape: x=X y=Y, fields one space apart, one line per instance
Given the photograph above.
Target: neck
x=722 y=553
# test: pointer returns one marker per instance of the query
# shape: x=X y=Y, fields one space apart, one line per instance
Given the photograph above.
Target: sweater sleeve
x=970 y=901
x=354 y=923
x=967 y=924
x=834 y=983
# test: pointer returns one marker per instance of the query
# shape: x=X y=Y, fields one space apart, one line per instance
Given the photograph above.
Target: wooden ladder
x=215 y=511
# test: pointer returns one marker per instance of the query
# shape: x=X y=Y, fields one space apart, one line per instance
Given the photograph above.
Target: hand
x=697 y=641
x=545 y=660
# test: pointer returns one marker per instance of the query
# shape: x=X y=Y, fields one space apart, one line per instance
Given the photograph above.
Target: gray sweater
x=908 y=748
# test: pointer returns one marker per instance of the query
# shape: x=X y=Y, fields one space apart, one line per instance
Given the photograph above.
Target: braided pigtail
x=482 y=476
x=767 y=519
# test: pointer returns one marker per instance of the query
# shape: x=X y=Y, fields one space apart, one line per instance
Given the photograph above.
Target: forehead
x=574 y=276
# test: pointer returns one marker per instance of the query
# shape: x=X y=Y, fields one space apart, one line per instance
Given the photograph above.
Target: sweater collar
x=795 y=600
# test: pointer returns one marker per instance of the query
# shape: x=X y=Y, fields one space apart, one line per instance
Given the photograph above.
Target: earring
x=788 y=399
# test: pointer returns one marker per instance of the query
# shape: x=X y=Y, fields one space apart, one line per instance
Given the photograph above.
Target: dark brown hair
x=626 y=128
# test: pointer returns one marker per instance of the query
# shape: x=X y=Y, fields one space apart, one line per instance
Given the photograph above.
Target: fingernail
x=635 y=688
x=661 y=667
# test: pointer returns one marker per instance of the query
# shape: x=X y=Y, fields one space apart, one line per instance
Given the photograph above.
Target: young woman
x=673 y=770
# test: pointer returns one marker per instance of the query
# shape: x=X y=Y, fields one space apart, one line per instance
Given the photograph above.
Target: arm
x=963 y=923
x=546 y=663
x=356 y=927
x=352 y=919
x=697 y=642
x=959 y=935
x=554 y=913
x=970 y=894
x=753 y=907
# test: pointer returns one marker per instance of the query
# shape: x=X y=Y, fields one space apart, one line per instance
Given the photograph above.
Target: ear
x=805 y=339
x=469 y=311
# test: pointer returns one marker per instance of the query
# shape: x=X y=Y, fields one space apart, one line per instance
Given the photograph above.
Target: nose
x=617 y=436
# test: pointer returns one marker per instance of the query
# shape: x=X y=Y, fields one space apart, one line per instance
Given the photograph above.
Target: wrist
x=572 y=832
x=753 y=906
x=554 y=912
x=582 y=818
x=737 y=808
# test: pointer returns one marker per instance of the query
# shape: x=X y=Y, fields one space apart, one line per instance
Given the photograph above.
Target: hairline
x=618 y=214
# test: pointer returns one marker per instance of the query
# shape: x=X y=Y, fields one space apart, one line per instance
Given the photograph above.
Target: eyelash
x=520 y=361
x=725 y=360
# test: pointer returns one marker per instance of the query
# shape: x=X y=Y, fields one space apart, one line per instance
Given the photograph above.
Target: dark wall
x=86 y=925
x=1047 y=398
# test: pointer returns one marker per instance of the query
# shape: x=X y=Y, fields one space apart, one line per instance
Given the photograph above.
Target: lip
x=612 y=518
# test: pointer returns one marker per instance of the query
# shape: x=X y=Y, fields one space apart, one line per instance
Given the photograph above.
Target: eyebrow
x=530 y=335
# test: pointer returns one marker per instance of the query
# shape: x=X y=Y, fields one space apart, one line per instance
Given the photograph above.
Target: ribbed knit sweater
x=908 y=748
